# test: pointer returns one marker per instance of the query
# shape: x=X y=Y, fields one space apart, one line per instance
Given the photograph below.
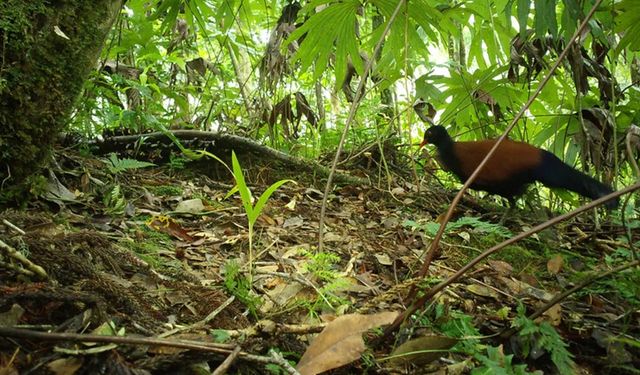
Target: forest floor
x=156 y=260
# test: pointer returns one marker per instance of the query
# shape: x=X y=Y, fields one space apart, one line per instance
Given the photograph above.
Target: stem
x=250 y=253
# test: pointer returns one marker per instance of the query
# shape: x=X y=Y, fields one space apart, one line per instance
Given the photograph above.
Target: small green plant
x=544 y=336
x=478 y=225
x=238 y=285
x=252 y=211
x=456 y=324
x=38 y=185
x=177 y=163
x=460 y=325
x=321 y=266
x=276 y=369
x=114 y=201
x=496 y=362
x=220 y=335
x=116 y=165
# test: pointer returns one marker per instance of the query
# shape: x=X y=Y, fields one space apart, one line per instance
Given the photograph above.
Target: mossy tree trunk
x=47 y=49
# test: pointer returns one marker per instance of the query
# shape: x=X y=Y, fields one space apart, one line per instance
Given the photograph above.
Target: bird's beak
x=424 y=142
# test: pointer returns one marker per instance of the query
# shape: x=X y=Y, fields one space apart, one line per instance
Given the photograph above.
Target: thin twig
x=279 y=360
x=201 y=323
x=15 y=254
x=13 y=226
x=436 y=289
x=185 y=344
x=266 y=327
x=75 y=337
x=224 y=366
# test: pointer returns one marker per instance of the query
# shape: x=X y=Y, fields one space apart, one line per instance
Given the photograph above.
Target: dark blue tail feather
x=554 y=173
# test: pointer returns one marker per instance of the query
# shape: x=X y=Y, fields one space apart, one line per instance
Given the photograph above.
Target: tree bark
x=47 y=49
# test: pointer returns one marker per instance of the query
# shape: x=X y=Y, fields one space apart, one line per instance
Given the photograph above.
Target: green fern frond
x=546 y=337
x=332 y=26
x=116 y=165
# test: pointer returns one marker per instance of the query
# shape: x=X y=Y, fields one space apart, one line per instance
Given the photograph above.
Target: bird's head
x=435 y=135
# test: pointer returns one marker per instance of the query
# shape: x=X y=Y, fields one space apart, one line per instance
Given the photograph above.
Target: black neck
x=448 y=156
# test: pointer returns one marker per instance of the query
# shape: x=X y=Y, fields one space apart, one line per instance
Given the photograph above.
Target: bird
x=513 y=167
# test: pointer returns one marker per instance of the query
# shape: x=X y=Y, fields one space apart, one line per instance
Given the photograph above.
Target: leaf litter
x=170 y=265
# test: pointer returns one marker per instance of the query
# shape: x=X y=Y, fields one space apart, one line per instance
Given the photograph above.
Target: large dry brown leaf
x=340 y=342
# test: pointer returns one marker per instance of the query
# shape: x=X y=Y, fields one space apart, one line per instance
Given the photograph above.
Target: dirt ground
x=156 y=261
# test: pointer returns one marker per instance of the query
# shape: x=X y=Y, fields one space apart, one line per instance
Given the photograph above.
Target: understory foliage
x=285 y=74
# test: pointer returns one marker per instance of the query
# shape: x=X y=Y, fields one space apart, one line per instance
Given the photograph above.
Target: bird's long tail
x=554 y=173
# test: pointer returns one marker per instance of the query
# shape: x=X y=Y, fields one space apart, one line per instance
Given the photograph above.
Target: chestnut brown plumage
x=512 y=167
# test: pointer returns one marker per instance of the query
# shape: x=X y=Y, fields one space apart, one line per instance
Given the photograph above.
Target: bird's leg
x=512 y=205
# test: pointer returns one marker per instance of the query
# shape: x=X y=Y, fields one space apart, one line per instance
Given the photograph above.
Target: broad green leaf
x=233 y=190
x=523 y=15
x=257 y=209
x=212 y=156
x=174 y=58
x=245 y=194
x=333 y=25
x=569 y=19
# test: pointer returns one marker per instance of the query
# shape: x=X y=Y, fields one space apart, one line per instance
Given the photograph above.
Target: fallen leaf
x=332 y=237
x=293 y=222
x=483 y=291
x=313 y=192
x=66 y=366
x=465 y=236
x=501 y=267
x=285 y=292
x=521 y=288
x=422 y=350
x=554 y=315
x=266 y=220
x=60 y=33
x=291 y=206
x=11 y=317
x=340 y=342
x=169 y=226
x=57 y=192
x=383 y=259
x=554 y=265
x=391 y=222
x=397 y=191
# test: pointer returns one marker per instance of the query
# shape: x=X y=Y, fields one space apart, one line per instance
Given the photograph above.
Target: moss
x=149 y=246
x=518 y=257
x=42 y=73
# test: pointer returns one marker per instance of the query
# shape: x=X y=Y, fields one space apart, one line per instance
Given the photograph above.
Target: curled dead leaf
x=340 y=342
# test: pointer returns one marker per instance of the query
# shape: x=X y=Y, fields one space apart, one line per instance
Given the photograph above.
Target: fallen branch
x=226 y=349
x=231 y=142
